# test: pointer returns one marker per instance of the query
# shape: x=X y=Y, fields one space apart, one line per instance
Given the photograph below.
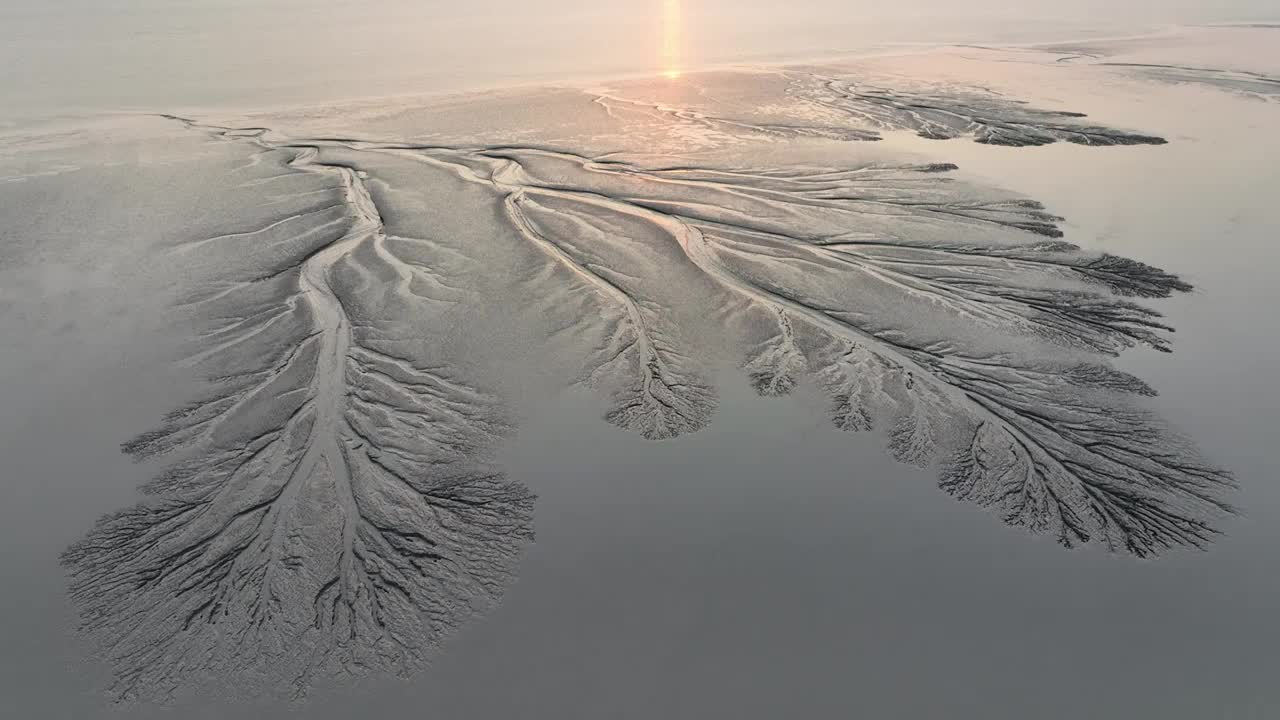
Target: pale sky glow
x=144 y=54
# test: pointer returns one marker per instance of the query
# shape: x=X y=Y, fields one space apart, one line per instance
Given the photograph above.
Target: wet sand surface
x=655 y=396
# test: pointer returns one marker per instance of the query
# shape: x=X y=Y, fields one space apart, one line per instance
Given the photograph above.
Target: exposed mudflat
x=362 y=313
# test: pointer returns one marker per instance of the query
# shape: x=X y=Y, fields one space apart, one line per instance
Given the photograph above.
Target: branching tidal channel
x=332 y=506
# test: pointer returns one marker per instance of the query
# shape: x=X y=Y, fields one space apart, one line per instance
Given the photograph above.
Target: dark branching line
x=333 y=511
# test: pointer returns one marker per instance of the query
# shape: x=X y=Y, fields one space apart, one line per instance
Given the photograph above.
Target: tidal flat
x=802 y=388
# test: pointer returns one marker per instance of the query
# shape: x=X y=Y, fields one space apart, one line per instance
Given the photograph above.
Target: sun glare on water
x=672 y=17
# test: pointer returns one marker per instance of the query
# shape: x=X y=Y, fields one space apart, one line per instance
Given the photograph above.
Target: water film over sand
x=360 y=282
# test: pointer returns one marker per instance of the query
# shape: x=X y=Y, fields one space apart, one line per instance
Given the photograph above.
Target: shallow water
x=765 y=564
x=77 y=56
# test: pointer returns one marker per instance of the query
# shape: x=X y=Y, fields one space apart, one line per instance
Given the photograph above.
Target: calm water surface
x=75 y=56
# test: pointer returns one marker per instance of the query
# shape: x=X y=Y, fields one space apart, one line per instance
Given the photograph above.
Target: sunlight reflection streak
x=672 y=27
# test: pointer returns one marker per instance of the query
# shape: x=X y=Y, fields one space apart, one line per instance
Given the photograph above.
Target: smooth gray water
x=768 y=565
x=74 y=56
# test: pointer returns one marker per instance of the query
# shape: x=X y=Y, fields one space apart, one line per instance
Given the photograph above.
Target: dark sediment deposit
x=333 y=506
